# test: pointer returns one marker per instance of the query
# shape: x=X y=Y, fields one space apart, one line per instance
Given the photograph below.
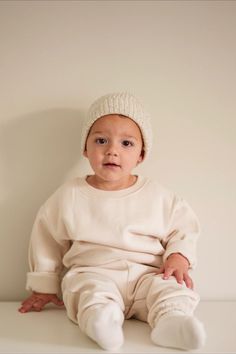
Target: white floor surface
x=50 y=331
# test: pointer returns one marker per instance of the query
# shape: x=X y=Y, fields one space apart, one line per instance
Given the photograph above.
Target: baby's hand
x=37 y=301
x=177 y=265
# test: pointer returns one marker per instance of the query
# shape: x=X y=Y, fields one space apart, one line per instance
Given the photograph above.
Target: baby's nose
x=112 y=150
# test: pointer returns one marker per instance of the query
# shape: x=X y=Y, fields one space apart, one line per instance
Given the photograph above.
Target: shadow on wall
x=37 y=151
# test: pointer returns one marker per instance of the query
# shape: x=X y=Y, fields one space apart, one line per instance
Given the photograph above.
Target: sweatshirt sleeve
x=48 y=244
x=183 y=233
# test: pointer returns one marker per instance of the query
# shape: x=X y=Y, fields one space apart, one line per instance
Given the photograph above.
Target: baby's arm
x=37 y=301
x=180 y=243
x=48 y=244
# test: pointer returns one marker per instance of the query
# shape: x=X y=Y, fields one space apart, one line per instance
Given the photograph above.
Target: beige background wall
x=179 y=57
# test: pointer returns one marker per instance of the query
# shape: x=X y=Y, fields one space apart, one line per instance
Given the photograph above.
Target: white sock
x=104 y=326
x=179 y=331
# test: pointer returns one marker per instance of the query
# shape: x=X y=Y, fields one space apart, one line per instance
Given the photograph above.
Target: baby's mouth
x=111 y=164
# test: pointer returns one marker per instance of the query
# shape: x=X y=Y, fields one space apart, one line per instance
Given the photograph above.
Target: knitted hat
x=119 y=103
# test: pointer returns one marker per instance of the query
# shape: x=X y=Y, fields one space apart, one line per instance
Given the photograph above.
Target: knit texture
x=119 y=103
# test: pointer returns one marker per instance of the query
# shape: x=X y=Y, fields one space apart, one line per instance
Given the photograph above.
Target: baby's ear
x=85 y=153
x=140 y=159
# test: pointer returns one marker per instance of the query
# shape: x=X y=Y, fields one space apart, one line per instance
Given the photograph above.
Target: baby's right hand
x=37 y=301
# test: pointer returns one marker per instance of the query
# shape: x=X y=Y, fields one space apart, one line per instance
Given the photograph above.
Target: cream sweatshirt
x=80 y=225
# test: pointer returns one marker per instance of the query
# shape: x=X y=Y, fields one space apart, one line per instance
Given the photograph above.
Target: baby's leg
x=170 y=309
x=94 y=302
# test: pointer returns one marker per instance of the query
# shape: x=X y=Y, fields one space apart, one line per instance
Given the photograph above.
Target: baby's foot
x=104 y=326
x=179 y=331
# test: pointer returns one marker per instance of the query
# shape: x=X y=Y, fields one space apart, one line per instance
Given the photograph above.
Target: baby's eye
x=127 y=143
x=101 y=141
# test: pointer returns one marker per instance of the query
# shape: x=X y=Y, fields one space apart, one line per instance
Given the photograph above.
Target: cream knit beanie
x=119 y=103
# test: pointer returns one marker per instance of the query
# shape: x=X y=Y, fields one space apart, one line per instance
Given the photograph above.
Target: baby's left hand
x=177 y=265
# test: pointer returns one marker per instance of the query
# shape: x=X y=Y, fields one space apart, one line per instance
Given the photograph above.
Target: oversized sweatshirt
x=82 y=226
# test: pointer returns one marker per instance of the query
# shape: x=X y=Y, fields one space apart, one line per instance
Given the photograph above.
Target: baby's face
x=114 y=148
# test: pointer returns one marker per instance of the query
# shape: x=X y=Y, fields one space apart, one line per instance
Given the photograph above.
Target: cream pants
x=137 y=290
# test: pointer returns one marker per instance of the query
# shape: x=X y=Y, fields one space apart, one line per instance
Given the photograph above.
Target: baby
x=126 y=242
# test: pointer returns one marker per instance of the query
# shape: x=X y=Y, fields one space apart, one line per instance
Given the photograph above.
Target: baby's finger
x=178 y=276
x=39 y=304
x=188 y=281
x=57 y=301
x=26 y=307
x=167 y=273
x=28 y=300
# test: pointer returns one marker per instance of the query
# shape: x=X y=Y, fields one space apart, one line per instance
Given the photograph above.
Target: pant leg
x=155 y=296
x=85 y=292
